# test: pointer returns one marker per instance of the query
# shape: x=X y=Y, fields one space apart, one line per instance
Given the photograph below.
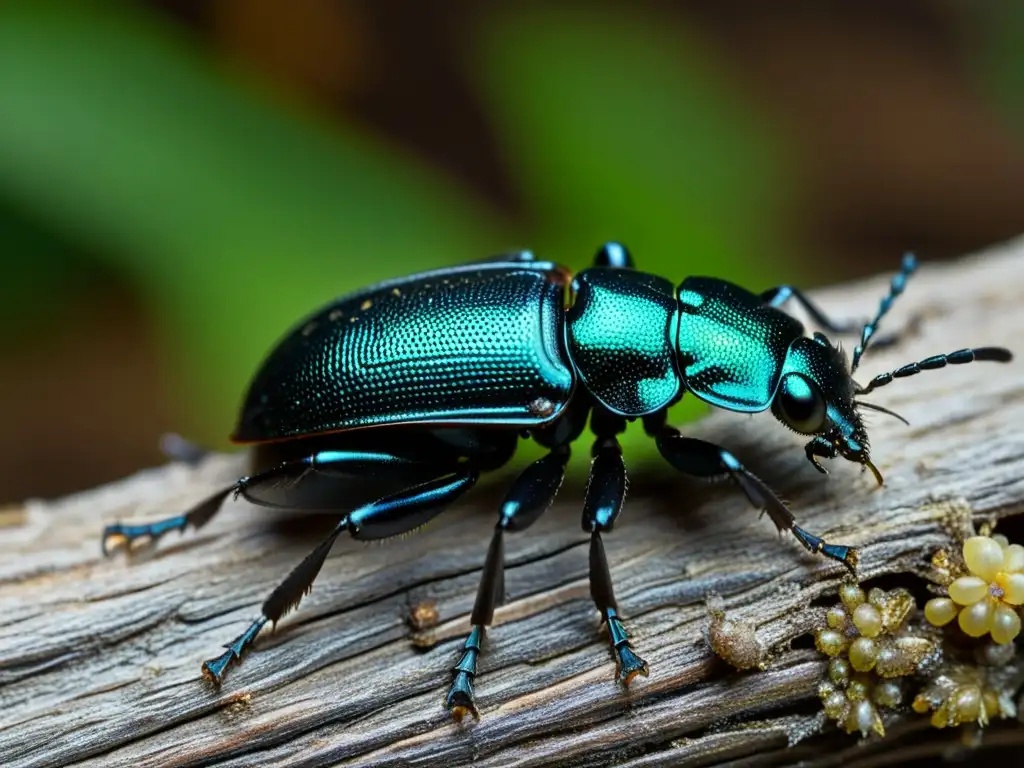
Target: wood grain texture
x=100 y=659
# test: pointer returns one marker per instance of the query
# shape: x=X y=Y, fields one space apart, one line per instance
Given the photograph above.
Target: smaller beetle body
x=387 y=404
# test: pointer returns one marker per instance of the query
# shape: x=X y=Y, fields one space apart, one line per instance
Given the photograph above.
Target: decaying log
x=100 y=658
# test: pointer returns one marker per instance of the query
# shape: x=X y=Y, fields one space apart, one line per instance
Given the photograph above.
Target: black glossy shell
x=621 y=338
x=478 y=344
x=732 y=345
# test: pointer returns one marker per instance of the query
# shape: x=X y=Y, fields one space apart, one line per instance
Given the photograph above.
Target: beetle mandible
x=395 y=398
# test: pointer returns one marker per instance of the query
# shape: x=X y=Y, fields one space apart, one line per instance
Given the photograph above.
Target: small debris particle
x=422 y=618
x=237 y=705
x=424 y=615
x=733 y=640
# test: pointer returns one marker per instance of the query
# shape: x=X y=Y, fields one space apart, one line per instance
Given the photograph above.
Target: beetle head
x=816 y=397
x=816 y=392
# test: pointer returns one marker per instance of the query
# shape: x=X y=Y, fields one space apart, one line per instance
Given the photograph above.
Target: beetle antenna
x=880 y=409
x=960 y=357
x=899 y=282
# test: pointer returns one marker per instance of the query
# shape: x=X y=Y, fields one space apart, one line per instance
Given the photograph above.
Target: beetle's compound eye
x=800 y=404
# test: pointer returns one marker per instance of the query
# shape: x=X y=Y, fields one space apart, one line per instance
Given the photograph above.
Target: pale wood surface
x=99 y=659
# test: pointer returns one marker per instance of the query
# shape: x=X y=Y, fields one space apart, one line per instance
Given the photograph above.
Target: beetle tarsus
x=214 y=669
x=848 y=556
x=459 y=711
x=123 y=535
x=120 y=536
x=459 y=700
x=703 y=459
x=388 y=516
x=628 y=664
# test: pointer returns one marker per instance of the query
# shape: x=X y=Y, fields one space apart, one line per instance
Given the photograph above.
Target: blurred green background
x=181 y=180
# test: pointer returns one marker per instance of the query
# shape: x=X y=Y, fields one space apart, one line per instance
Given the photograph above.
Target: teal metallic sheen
x=621 y=330
x=732 y=345
x=479 y=344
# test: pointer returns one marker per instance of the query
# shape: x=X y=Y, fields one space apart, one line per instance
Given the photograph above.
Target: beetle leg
x=780 y=294
x=122 y=535
x=613 y=254
x=389 y=516
x=527 y=500
x=355 y=463
x=703 y=459
x=606 y=492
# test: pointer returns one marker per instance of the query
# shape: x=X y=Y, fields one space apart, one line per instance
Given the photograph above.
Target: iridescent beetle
x=388 y=403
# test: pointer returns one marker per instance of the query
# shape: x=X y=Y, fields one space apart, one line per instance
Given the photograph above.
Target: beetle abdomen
x=476 y=344
x=731 y=344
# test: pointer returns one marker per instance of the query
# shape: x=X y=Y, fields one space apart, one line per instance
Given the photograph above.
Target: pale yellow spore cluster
x=964 y=694
x=985 y=600
x=870 y=648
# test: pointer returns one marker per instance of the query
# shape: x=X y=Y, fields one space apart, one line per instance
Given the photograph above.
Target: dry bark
x=99 y=659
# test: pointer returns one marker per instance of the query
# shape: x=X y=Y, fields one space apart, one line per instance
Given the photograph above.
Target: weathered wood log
x=100 y=658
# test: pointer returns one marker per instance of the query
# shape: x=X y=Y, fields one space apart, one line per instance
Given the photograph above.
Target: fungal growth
x=873 y=645
x=734 y=640
x=960 y=673
x=980 y=671
x=971 y=693
x=985 y=598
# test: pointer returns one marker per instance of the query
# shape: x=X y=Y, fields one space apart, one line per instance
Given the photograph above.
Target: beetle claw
x=459 y=700
x=119 y=536
x=630 y=665
x=214 y=669
x=112 y=540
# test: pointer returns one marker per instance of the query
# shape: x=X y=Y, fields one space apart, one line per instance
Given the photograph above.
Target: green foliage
x=1001 y=65
x=232 y=215
x=618 y=128
x=233 y=212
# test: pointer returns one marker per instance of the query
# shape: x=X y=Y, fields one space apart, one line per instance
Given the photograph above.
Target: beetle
x=387 y=404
